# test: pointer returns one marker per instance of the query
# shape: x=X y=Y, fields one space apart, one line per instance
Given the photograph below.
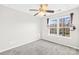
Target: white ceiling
x=56 y=7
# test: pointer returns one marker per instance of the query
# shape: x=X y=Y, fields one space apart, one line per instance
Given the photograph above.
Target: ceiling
x=56 y=7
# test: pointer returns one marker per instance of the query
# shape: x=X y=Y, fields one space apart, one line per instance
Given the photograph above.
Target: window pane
x=67 y=32
x=53 y=22
x=60 y=22
x=64 y=32
x=53 y=30
x=61 y=31
x=67 y=21
x=64 y=21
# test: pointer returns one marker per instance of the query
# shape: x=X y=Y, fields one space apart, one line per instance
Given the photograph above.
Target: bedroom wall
x=17 y=28
x=73 y=41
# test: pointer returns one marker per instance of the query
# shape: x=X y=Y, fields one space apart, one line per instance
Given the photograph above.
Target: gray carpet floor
x=41 y=47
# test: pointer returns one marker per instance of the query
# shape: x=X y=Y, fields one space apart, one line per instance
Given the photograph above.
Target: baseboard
x=18 y=45
x=73 y=47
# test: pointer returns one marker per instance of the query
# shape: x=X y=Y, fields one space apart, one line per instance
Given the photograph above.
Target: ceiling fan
x=43 y=9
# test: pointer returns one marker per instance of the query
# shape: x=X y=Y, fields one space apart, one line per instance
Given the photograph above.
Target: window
x=53 y=26
x=64 y=26
x=60 y=26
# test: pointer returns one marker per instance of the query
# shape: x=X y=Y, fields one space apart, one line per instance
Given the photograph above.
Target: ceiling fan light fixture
x=43 y=9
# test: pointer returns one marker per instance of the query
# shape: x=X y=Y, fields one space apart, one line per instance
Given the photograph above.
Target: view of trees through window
x=53 y=26
x=61 y=24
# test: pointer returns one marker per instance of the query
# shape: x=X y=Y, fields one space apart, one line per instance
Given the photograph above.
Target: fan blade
x=33 y=10
x=36 y=14
x=50 y=11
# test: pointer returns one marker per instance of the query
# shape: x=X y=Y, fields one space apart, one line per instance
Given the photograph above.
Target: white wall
x=17 y=28
x=73 y=41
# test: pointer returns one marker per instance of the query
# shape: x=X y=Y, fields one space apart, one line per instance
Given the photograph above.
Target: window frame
x=58 y=27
